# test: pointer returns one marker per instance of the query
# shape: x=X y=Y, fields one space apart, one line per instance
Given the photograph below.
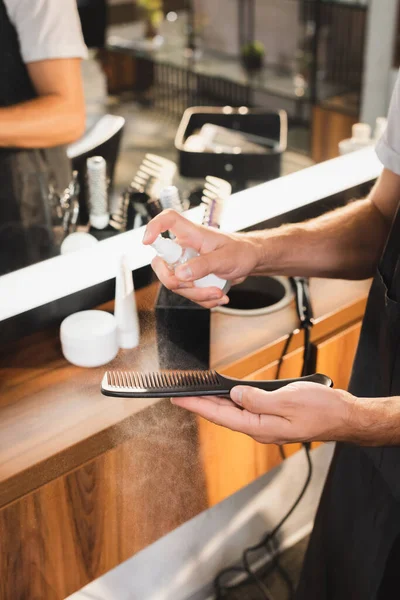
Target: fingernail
x=223 y=301
x=237 y=395
x=145 y=237
x=184 y=272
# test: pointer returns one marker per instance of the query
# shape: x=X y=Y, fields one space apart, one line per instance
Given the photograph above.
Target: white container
x=360 y=138
x=78 y=240
x=126 y=315
x=89 y=338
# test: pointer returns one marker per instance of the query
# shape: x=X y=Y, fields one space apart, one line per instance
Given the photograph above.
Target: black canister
x=183 y=332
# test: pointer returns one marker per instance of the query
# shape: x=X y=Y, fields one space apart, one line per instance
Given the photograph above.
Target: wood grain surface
x=77 y=527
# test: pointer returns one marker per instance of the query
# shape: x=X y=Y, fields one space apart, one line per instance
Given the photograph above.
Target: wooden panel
x=74 y=529
x=328 y=129
x=120 y=71
x=232 y=460
x=335 y=355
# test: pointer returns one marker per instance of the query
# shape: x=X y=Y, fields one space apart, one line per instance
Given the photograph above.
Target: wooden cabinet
x=232 y=460
x=329 y=127
x=335 y=355
x=79 y=526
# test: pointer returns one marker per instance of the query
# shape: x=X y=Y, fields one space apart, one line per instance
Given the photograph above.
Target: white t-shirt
x=47 y=29
x=388 y=147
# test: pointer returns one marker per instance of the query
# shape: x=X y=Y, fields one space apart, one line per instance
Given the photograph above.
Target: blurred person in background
x=93 y=16
x=41 y=110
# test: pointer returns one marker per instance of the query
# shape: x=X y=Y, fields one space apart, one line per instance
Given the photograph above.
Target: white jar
x=360 y=138
x=89 y=338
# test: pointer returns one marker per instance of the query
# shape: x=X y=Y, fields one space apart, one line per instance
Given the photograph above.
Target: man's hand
x=231 y=257
x=299 y=412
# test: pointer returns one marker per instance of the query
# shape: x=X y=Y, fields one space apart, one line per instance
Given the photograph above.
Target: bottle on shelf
x=360 y=138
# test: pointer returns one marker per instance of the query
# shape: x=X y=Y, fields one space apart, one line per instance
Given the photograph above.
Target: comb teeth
x=162 y=379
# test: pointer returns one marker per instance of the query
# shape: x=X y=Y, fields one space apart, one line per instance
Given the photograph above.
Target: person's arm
x=303 y=412
x=345 y=243
x=56 y=117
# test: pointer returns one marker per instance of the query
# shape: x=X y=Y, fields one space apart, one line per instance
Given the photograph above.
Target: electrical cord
x=305 y=314
x=284 y=353
x=263 y=544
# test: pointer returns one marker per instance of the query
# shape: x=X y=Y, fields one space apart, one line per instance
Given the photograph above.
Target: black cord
x=282 y=452
x=246 y=569
x=306 y=370
x=276 y=564
x=284 y=353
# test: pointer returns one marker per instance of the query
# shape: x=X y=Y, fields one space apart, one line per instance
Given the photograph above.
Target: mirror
x=167 y=77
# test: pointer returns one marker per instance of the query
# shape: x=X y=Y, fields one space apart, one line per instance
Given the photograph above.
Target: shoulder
x=388 y=147
x=47 y=29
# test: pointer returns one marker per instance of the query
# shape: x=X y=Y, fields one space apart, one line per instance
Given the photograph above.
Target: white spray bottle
x=125 y=311
x=174 y=255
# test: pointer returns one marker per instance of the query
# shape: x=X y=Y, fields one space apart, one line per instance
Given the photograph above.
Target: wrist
x=374 y=421
x=263 y=250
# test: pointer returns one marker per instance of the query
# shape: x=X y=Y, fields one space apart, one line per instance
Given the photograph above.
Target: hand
x=298 y=412
x=231 y=257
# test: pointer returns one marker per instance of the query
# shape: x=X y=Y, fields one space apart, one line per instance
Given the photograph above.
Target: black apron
x=354 y=551
x=26 y=176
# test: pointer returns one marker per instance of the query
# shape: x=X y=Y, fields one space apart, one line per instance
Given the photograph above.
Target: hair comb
x=167 y=384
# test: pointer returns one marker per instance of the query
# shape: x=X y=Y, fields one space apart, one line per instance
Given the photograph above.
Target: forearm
x=345 y=243
x=43 y=122
x=374 y=422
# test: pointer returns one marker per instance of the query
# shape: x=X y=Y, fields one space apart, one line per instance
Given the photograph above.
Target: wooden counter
x=86 y=481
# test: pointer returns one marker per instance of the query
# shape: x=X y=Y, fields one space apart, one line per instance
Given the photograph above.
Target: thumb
x=252 y=399
x=199 y=267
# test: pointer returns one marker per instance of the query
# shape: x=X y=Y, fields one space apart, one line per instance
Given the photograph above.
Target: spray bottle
x=174 y=255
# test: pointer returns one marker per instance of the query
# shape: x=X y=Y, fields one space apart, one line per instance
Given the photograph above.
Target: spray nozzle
x=167 y=250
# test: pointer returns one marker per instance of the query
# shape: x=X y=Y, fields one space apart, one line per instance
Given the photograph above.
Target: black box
x=183 y=332
x=233 y=167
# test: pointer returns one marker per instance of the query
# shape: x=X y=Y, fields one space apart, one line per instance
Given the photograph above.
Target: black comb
x=167 y=384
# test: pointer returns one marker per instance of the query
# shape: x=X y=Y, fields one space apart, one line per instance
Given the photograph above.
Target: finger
x=218 y=261
x=219 y=400
x=206 y=297
x=221 y=414
x=260 y=402
x=212 y=296
x=187 y=232
x=165 y=275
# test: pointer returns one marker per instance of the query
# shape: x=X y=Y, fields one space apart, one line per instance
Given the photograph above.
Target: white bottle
x=174 y=255
x=360 y=138
x=99 y=215
x=125 y=311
